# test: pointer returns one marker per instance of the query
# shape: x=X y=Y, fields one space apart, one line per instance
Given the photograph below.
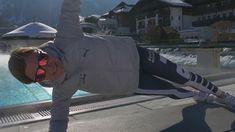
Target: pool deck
x=160 y=114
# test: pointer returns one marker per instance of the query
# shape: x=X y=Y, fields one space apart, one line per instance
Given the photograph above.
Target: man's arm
x=68 y=26
x=59 y=111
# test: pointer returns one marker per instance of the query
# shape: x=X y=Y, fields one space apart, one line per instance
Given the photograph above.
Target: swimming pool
x=12 y=92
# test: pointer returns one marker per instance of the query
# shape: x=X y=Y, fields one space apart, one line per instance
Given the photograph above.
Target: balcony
x=211 y=21
x=205 y=9
x=151 y=14
x=147 y=14
x=140 y=17
x=141 y=26
x=164 y=21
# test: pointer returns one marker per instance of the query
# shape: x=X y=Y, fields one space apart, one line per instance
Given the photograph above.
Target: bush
x=152 y=35
x=157 y=34
x=223 y=37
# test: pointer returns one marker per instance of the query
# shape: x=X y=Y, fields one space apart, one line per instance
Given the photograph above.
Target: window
x=226 y=2
x=151 y=22
x=214 y=16
x=213 y=5
x=203 y=18
x=218 y=4
x=199 y=18
x=172 y=18
x=141 y=24
x=88 y=30
x=179 y=17
x=230 y=13
x=224 y=15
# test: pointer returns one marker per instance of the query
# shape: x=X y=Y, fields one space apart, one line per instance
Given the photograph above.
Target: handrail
x=190 y=45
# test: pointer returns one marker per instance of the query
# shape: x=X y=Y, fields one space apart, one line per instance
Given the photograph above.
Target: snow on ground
x=183 y=58
x=227 y=61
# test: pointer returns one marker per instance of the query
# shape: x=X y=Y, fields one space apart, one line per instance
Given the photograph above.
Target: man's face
x=41 y=66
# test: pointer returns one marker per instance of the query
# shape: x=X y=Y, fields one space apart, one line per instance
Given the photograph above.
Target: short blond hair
x=17 y=65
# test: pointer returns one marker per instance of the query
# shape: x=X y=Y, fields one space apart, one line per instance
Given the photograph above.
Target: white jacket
x=97 y=64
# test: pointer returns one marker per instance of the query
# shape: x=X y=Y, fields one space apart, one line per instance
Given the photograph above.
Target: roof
x=122 y=7
x=232 y=30
x=201 y=2
x=153 y=5
x=87 y=24
x=32 y=30
x=176 y=3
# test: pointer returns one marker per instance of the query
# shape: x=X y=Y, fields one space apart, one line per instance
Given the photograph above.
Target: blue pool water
x=12 y=92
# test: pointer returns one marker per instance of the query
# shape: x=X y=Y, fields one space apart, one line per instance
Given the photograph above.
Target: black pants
x=153 y=66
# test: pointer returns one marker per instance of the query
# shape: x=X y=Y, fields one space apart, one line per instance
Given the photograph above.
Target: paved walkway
x=163 y=114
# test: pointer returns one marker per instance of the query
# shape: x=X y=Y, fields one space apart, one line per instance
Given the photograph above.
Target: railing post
x=208 y=58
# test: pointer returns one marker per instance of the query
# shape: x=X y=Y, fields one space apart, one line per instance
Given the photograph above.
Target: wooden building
x=193 y=19
x=207 y=12
x=159 y=12
x=119 y=20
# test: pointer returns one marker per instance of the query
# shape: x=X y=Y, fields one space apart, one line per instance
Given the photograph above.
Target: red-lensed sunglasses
x=40 y=73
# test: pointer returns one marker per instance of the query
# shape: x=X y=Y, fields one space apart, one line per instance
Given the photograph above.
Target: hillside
x=19 y=12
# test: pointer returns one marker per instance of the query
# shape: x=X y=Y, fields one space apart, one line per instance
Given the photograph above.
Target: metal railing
x=190 y=45
x=208 y=54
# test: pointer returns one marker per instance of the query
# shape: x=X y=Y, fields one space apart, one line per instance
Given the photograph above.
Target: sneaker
x=203 y=97
x=229 y=100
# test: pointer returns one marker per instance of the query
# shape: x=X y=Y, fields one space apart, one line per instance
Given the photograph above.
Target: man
x=97 y=64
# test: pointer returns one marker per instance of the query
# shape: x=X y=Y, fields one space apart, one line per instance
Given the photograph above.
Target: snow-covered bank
x=190 y=58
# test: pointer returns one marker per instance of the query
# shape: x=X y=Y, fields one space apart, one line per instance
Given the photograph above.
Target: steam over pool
x=13 y=92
